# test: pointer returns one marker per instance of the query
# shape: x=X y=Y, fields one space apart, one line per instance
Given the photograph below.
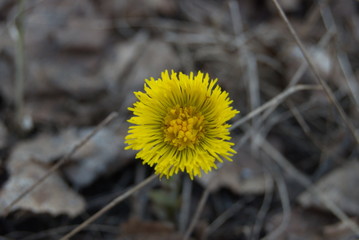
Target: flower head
x=179 y=124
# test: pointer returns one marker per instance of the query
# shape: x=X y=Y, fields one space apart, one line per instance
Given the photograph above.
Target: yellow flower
x=179 y=124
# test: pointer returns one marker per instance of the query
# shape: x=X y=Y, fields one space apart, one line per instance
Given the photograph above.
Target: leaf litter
x=85 y=59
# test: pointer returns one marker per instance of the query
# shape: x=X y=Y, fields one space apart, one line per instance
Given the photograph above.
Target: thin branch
x=110 y=205
x=278 y=99
x=304 y=126
x=325 y=86
x=268 y=197
x=303 y=180
x=198 y=212
x=250 y=64
x=105 y=122
x=342 y=57
x=224 y=217
x=292 y=82
x=275 y=101
x=284 y=198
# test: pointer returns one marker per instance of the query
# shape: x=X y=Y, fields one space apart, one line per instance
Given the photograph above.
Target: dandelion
x=179 y=124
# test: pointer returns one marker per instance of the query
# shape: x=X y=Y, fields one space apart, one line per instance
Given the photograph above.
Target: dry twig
x=342 y=57
x=225 y=216
x=198 y=212
x=284 y=198
x=278 y=99
x=268 y=196
x=275 y=101
x=303 y=180
x=110 y=205
x=324 y=85
x=105 y=122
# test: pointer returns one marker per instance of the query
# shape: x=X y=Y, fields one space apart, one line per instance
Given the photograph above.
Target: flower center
x=183 y=127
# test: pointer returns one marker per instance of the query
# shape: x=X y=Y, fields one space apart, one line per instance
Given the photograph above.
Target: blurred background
x=65 y=65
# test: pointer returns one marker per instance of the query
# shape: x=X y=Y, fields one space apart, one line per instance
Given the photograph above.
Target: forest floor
x=66 y=66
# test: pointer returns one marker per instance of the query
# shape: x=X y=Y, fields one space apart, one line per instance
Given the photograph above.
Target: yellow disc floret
x=183 y=127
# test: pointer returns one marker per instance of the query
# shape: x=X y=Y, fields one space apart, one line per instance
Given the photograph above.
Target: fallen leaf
x=339 y=231
x=121 y=58
x=136 y=229
x=244 y=176
x=100 y=155
x=339 y=186
x=156 y=57
x=53 y=196
x=84 y=34
x=59 y=82
x=40 y=25
x=303 y=225
x=294 y=58
x=103 y=154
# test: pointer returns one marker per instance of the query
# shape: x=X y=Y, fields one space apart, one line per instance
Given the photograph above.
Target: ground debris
x=338 y=186
x=136 y=229
x=54 y=196
x=246 y=177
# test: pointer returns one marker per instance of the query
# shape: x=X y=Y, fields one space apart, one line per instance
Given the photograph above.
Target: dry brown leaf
x=340 y=186
x=123 y=56
x=339 y=231
x=67 y=74
x=56 y=80
x=136 y=229
x=73 y=92
x=40 y=25
x=45 y=149
x=28 y=162
x=84 y=34
x=293 y=58
x=100 y=155
x=242 y=176
x=303 y=225
x=53 y=196
x=156 y=57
